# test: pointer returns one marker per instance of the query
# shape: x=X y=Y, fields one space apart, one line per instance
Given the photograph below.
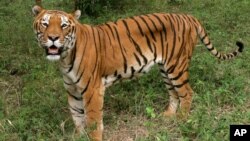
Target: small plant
x=150 y=112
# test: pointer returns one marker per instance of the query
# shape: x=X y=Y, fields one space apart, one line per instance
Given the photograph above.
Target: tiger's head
x=55 y=31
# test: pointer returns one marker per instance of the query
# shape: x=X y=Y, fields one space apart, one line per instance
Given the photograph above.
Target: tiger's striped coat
x=95 y=57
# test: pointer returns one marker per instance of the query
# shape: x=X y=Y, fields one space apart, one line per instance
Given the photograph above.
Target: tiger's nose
x=53 y=38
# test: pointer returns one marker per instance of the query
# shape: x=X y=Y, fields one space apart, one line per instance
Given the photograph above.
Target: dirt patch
x=126 y=128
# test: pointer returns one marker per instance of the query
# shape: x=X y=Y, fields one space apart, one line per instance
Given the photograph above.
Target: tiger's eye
x=45 y=24
x=64 y=25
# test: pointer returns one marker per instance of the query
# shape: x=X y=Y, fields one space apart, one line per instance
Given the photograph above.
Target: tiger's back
x=141 y=41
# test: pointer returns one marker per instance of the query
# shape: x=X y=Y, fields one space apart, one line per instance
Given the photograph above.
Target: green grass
x=33 y=103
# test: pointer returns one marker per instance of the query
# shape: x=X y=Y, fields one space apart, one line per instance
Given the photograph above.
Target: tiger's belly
x=132 y=71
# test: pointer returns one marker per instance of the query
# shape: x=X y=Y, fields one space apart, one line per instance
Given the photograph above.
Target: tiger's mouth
x=53 y=50
x=53 y=53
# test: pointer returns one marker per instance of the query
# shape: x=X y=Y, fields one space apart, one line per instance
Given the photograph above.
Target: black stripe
x=161 y=35
x=109 y=41
x=165 y=34
x=108 y=37
x=111 y=30
x=121 y=48
x=191 y=29
x=77 y=81
x=73 y=29
x=115 y=74
x=100 y=41
x=183 y=65
x=137 y=59
x=96 y=51
x=132 y=72
x=66 y=83
x=125 y=66
x=119 y=76
x=73 y=61
x=83 y=54
x=202 y=39
x=208 y=43
x=36 y=25
x=148 y=43
x=218 y=53
x=177 y=21
x=151 y=32
x=165 y=60
x=219 y=56
x=172 y=88
x=194 y=21
x=169 y=84
x=162 y=46
x=138 y=48
x=234 y=53
x=141 y=69
x=183 y=96
x=138 y=25
x=163 y=74
x=180 y=85
x=89 y=100
x=162 y=24
x=182 y=47
x=75 y=97
x=79 y=78
x=171 y=69
x=162 y=71
x=80 y=111
x=85 y=89
x=155 y=52
x=149 y=17
x=210 y=49
x=127 y=28
x=130 y=37
x=174 y=39
x=224 y=57
x=106 y=76
x=178 y=76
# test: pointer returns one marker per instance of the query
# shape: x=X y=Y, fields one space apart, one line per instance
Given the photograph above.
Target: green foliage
x=150 y=112
x=33 y=103
x=96 y=7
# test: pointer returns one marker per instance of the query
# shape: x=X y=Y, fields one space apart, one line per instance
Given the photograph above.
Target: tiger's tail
x=222 y=56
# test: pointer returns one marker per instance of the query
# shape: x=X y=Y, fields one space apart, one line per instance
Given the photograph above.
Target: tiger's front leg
x=93 y=107
x=77 y=112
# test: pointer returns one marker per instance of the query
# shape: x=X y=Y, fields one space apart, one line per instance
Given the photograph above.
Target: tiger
x=93 y=57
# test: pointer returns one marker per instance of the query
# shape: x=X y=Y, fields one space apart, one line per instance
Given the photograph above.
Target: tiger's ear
x=77 y=14
x=36 y=10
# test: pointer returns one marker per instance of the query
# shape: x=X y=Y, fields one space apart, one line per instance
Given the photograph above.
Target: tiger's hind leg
x=179 y=80
x=176 y=79
x=173 y=96
x=93 y=107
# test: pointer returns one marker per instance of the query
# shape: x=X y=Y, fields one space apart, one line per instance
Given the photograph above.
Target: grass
x=33 y=103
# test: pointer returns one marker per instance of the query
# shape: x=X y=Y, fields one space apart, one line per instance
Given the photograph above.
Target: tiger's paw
x=182 y=115
x=80 y=133
x=96 y=136
x=169 y=114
